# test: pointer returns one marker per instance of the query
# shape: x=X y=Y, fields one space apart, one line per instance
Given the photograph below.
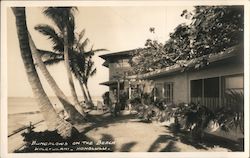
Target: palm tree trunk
x=83 y=91
x=74 y=115
x=70 y=79
x=50 y=116
x=87 y=88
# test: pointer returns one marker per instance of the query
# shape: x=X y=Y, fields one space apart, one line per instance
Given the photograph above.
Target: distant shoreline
x=15 y=97
x=32 y=112
x=28 y=105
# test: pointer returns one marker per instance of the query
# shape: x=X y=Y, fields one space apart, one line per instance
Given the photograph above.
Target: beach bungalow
x=207 y=85
x=118 y=64
x=119 y=72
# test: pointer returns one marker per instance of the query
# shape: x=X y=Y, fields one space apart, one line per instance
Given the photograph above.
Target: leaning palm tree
x=63 y=17
x=53 y=121
x=74 y=115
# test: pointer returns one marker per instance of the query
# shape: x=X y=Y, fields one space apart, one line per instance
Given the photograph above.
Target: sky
x=115 y=28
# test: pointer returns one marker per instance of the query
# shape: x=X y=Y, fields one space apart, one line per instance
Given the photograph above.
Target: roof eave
x=230 y=52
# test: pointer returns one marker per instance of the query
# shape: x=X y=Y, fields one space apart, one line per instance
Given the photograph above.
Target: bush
x=123 y=99
x=105 y=98
x=231 y=116
x=196 y=118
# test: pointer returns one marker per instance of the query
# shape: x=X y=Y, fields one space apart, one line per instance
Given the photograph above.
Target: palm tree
x=89 y=72
x=74 y=115
x=83 y=67
x=51 y=118
x=80 y=59
x=78 y=66
x=63 y=17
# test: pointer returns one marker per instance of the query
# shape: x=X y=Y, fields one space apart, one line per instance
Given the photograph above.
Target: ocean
x=17 y=105
x=24 y=110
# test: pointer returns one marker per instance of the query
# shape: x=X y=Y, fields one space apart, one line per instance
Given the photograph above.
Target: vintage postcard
x=125 y=79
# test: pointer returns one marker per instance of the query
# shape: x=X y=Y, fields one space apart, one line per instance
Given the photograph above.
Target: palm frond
x=92 y=52
x=78 y=39
x=46 y=53
x=81 y=35
x=89 y=67
x=99 y=50
x=51 y=33
x=49 y=57
x=71 y=30
x=52 y=61
x=93 y=72
x=59 y=15
x=83 y=45
x=232 y=115
x=56 y=15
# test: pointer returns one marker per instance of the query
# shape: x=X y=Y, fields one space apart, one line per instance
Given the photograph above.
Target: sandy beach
x=23 y=110
x=127 y=132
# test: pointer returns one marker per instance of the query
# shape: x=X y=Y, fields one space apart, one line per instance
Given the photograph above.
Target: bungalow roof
x=228 y=53
x=116 y=54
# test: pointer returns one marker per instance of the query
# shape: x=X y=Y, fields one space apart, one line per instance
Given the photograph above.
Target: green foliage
x=212 y=30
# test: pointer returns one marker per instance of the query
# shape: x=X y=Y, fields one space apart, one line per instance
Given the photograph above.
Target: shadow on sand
x=51 y=141
x=168 y=141
x=208 y=141
x=106 y=120
x=48 y=141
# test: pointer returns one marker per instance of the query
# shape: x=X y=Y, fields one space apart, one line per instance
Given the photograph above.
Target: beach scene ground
x=126 y=133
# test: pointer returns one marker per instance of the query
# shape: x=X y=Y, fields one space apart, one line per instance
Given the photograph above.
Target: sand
x=129 y=134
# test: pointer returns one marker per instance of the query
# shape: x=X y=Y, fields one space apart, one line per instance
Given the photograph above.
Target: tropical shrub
x=196 y=118
x=106 y=99
x=123 y=99
x=231 y=116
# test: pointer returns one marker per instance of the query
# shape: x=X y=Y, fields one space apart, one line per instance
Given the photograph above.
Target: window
x=164 y=90
x=159 y=90
x=196 y=88
x=168 y=91
x=206 y=91
x=123 y=63
x=211 y=91
x=234 y=83
x=211 y=87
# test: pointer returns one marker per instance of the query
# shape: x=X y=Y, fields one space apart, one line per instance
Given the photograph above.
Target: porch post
x=202 y=97
x=220 y=91
x=118 y=91
x=129 y=90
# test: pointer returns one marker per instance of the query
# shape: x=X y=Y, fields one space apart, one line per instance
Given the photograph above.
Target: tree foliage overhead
x=212 y=30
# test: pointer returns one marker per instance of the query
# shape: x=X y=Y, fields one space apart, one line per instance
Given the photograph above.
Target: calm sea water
x=18 y=105
x=22 y=111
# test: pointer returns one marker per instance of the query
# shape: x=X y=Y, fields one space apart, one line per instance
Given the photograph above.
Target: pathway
x=129 y=134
